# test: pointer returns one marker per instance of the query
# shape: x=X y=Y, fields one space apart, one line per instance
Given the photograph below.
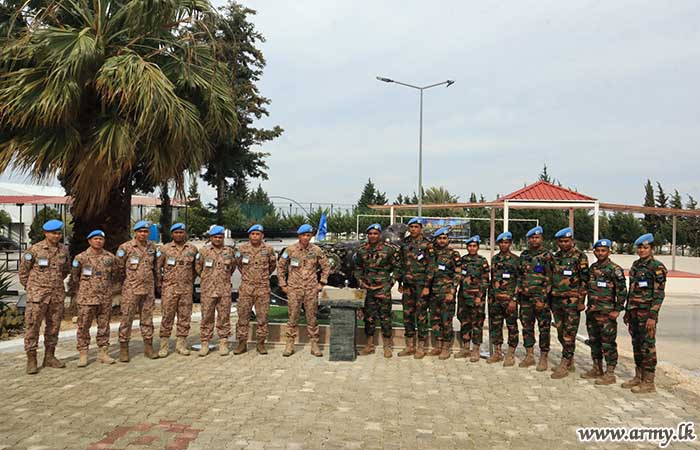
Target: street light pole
x=447 y=83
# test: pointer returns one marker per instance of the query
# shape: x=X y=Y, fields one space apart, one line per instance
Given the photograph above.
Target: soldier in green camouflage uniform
x=472 y=299
x=445 y=266
x=415 y=276
x=376 y=267
x=534 y=285
x=503 y=300
x=607 y=291
x=646 y=295
x=569 y=280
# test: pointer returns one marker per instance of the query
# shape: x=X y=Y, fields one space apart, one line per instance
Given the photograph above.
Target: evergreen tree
x=650 y=221
x=370 y=196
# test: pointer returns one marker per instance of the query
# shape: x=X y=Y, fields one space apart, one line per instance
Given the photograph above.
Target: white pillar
x=493 y=231
x=505 y=215
x=392 y=218
x=596 y=220
x=673 y=244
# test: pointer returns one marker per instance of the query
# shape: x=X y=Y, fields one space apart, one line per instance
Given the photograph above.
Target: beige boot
x=410 y=347
x=509 y=360
x=463 y=352
x=638 y=374
x=289 y=348
x=50 y=360
x=104 y=357
x=608 y=378
x=542 y=363
x=315 y=349
x=595 y=372
x=82 y=362
x=475 y=354
x=446 y=350
x=368 y=349
x=497 y=355
x=572 y=365
x=124 y=352
x=436 y=350
x=148 y=351
x=562 y=370
x=223 y=347
x=260 y=347
x=420 y=349
x=529 y=358
x=181 y=346
x=388 y=344
x=241 y=347
x=163 y=347
x=31 y=363
x=647 y=384
x=204 y=351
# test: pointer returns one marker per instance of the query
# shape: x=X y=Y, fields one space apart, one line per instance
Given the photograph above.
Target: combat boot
x=163 y=347
x=316 y=351
x=463 y=352
x=410 y=347
x=595 y=372
x=104 y=357
x=476 y=353
x=647 y=384
x=241 y=347
x=260 y=347
x=82 y=362
x=542 y=363
x=181 y=346
x=446 y=350
x=223 y=347
x=436 y=350
x=529 y=358
x=420 y=349
x=562 y=370
x=148 y=351
x=50 y=360
x=572 y=366
x=509 y=361
x=204 y=351
x=31 y=362
x=289 y=348
x=124 y=352
x=496 y=356
x=388 y=344
x=368 y=349
x=638 y=374
x=608 y=378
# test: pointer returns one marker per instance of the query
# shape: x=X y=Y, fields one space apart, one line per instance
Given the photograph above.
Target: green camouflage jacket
x=415 y=261
x=535 y=274
x=445 y=268
x=647 y=285
x=570 y=274
x=504 y=274
x=607 y=289
x=378 y=266
x=475 y=277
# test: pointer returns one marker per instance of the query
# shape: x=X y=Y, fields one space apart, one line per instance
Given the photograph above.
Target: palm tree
x=112 y=97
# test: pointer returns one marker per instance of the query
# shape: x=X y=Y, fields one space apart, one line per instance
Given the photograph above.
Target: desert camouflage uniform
x=256 y=264
x=137 y=264
x=215 y=266
x=175 y=277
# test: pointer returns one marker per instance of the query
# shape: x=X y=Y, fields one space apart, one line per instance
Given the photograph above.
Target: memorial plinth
x=344 y=303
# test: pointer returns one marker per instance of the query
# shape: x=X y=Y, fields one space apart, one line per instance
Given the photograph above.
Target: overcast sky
x=603 y=92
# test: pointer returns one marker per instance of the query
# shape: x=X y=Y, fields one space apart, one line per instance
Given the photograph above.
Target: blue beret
x=306 y=228
x=374 y=226
x=96 y=233
x=534 y=231
x=564 y=233
x=53 y=225
x=443 y=230
x=141 y=224
x=602 y=243
x=415 y=220
x=256 y=227
x=505 y=235
x=177 y=226
x=216 y=230
x=644 y=239
x=476 y=238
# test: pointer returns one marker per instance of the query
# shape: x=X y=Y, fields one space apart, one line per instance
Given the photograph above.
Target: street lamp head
x=450 y=83
x=386 y=80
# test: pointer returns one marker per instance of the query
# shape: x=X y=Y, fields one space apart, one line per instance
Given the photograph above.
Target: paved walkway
x=271 y=402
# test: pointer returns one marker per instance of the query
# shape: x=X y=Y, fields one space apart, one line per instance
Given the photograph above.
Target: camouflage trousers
x=377 y=311
x=309 y=298
x=415 y=311
x=249 y=296
x=130 y=305
x=498 y=313
x=471 y=319
x=602 y=336
x=566 y=320
x=535 y=308
x=172 y=304
x=447 y=314
x=435 y=304
x=51 y=313
x=644 y=346
x=218 y=308
x=88 y=313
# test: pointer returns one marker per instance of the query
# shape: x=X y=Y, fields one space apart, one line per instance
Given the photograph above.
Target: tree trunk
x=220 y=198
x=165 y=213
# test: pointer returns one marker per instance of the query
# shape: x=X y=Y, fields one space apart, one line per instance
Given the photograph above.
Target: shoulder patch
x=75 y=263
x=28 y=256
x=120 y=252
x=619 y=273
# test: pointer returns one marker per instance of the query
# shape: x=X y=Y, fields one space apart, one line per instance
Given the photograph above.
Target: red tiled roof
x=543 y=191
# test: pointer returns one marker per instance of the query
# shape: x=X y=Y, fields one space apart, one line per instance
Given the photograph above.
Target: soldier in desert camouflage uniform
x=503 y=304
x=472 y=299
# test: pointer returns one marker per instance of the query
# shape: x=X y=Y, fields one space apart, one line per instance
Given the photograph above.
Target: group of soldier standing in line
x=433 y=280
